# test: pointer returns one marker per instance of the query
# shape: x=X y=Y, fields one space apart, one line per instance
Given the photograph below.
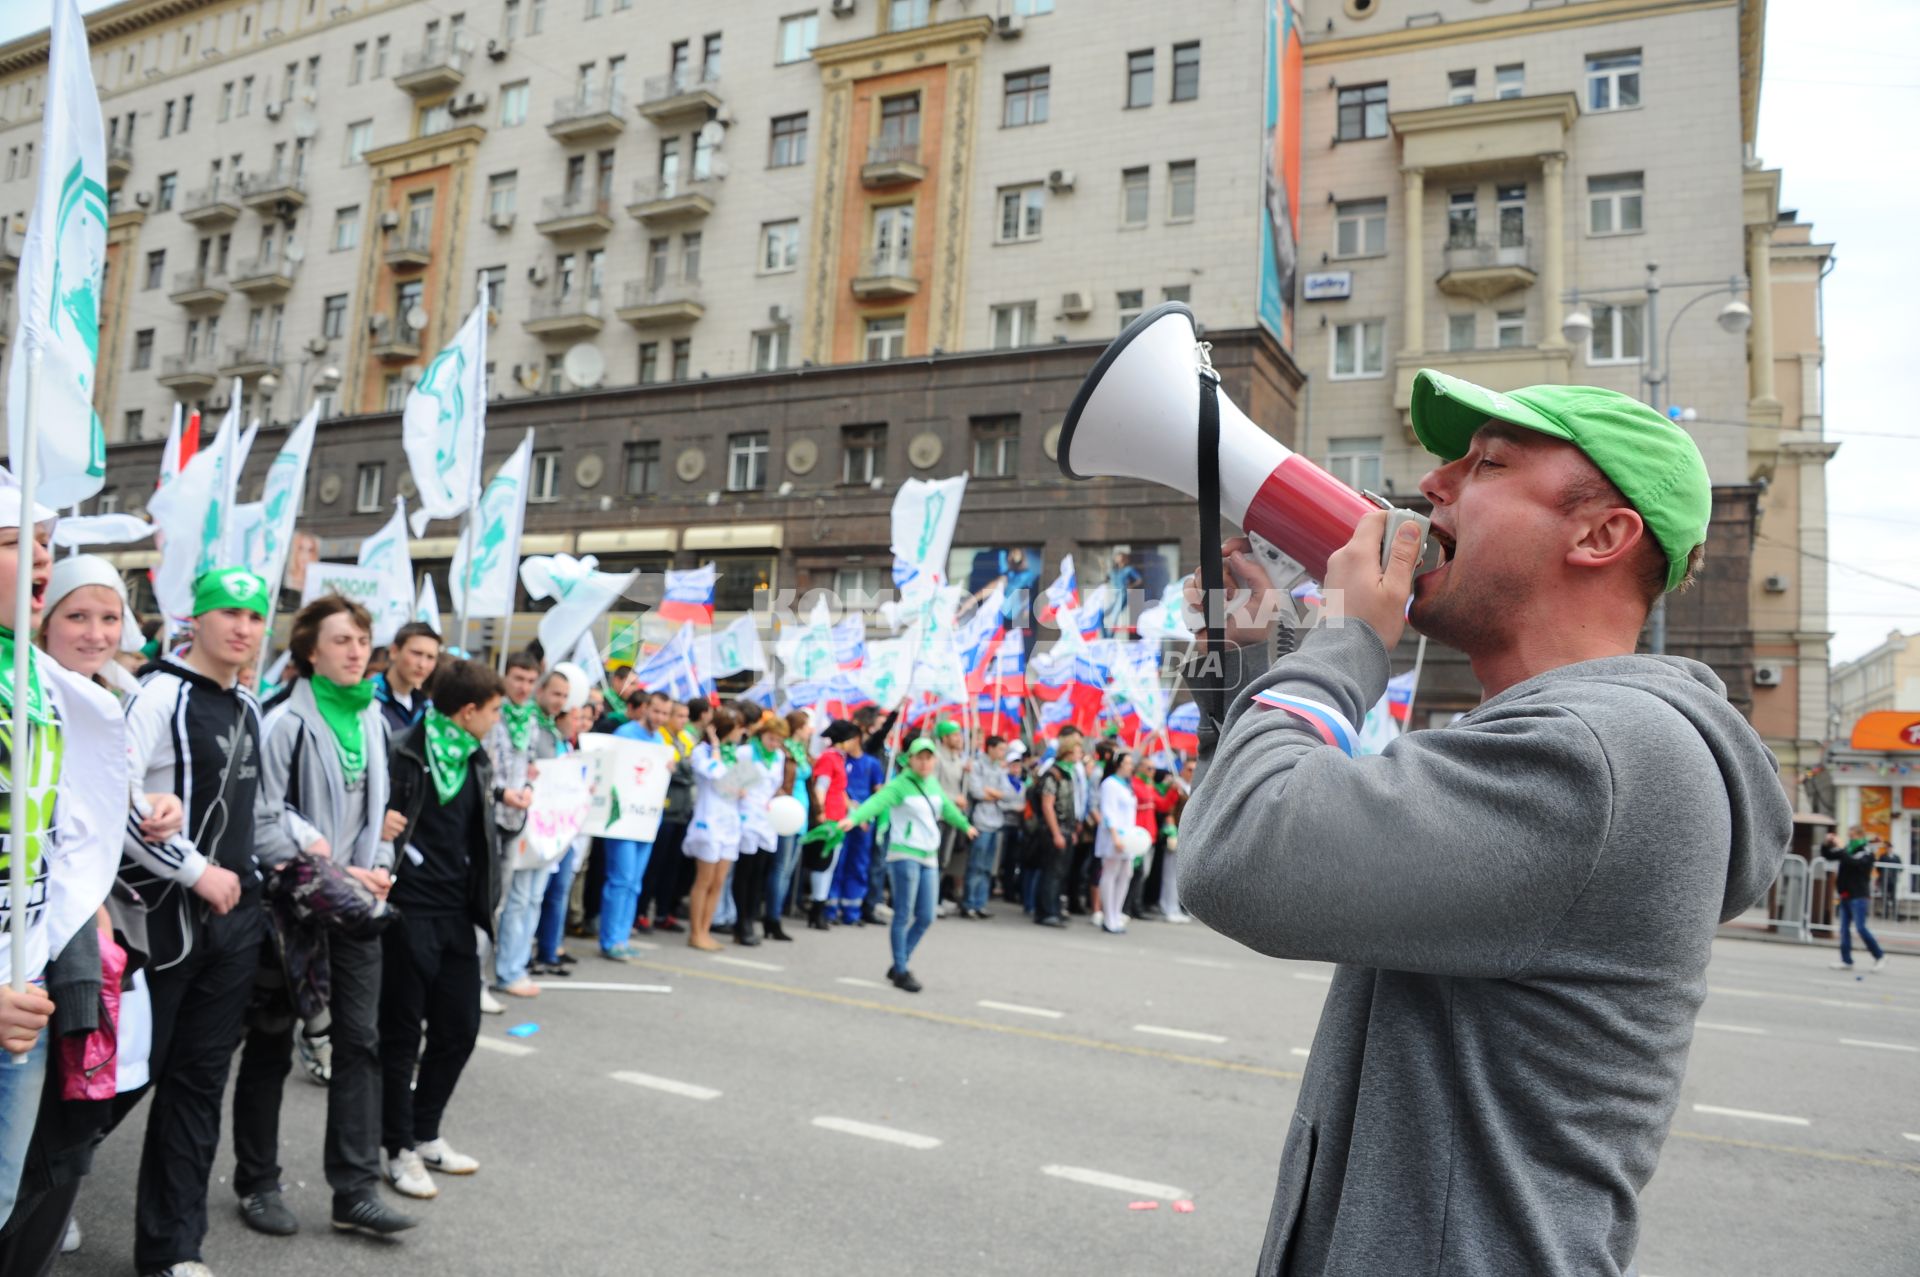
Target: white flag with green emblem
x=387 y=553
x=444 y=425
x=486 y=562
x=426 y=605
x=280 y=501
x=61 y=268
x=195 y=516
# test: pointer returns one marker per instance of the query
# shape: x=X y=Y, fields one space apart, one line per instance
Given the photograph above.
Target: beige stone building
x=1888 y=677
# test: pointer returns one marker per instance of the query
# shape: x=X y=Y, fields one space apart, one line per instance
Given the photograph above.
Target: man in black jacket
x=1854 y=883
x=446 y=880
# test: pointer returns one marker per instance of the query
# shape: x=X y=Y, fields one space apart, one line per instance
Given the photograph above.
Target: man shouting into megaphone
x=1521 y=903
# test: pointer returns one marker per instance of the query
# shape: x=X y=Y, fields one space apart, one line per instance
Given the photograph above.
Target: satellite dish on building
x=306 y=122
x=293 y=252
x=417 y=317
x=712 y=133
x=584 y=365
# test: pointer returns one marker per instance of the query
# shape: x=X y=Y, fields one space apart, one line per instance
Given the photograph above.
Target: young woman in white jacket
x=713 y=836
x=767 y=752
x=1117 y=812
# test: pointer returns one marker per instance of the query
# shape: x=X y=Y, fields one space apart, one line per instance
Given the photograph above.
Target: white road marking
x=1188 y=1034
x=1728 y=1028
x=1752 y=1115
x=1909 y=1135
x=1794 y=997
x=1101 y=1179
x=749 y=963
x=885 y=1134
x=603 y=986
x=1880 y=1046
x=1301 y=1051
x=667 y=1084
x=858 y=983
x=1017 y=1009
x=1313 y=977
x=502 y=1048
x=1211 y=964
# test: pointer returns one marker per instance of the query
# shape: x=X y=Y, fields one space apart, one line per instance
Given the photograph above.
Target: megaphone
x=1137 y=417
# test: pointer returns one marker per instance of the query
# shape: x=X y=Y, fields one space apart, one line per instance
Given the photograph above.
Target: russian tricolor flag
x=1400 y=696
x=689 y=595
x=1001 y=718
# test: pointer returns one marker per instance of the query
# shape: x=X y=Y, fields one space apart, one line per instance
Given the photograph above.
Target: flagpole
x=466 y=587
x=1419 y=658
x=506 y=642
x=21 y=738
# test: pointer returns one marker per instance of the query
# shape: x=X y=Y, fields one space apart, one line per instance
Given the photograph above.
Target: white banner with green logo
x=387 y=553
x=486 y=562
x=194 y=517
x=925 y=512
x=443 y=427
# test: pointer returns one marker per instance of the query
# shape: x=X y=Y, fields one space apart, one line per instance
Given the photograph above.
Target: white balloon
x=787 y=815
x=1135 y=841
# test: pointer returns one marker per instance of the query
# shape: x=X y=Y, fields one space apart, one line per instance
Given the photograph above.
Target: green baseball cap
x=947 y=728
x=230 y=587
x=920 y=746
x=1655 y=464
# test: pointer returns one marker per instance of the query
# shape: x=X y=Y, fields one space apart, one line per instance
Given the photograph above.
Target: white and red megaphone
x=1137 y=416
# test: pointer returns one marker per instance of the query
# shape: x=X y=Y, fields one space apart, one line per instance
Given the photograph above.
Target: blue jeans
x=519 y=919
x=19 y=1110
x=876 y=873
x=726 y=912
x=620 y=897
x=849 y=890
x=553 y=907
x=916 y=895
x=1853 y=913
x=786 y=854
x=980 y=868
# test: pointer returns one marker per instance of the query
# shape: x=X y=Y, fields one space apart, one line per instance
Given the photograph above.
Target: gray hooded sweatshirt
x=303 y=791
x=1521 y=906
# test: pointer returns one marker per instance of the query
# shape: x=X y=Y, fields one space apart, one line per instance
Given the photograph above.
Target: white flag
x=62 y=265
x=195 y=516
x=444 y=425
x=426 y=604
x=735 y=648
x=888 y=670
x=806 y=651
x=586 y=654
x=580 y=591
x=100 y=529
x=387 y=553
x=925 y=512
x=280 y=499
x=483 y=583
x=170 y=454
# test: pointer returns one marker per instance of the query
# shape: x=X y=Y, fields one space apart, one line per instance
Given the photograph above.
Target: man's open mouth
x=1444 y=539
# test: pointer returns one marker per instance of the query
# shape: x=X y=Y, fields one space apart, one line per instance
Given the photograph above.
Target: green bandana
x=729 y=752
x=519 y=720
x=797 y=750
x=230 y=587
x=449 y=746
x=341 y=708
x=763 y=755
x=39 y=709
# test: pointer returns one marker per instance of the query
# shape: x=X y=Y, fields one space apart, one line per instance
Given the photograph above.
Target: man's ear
x=1609 y=536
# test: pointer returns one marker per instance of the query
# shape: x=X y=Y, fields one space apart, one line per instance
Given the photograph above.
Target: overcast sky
x=1842 y=87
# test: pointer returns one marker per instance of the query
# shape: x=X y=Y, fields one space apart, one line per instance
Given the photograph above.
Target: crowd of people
x=331 y=873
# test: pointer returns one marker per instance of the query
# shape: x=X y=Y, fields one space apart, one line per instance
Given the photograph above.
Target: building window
x=1463 y=219
x=887 y=337
x=357 y=63
x=1510 y=81
x=1460 y=332
x=779 y=246
x=333 y=317
x=996 y=447
x=1510 y=329
x=437 y=118
x=510 y=20
x=1616 y=334
x=1614 y=204
x=1510 y=202
x=1613 y=81
x=860 y=587
x=1020 y=212
x=367 y=480
x=1360 y=228
x=536 y=16
x=863 y=453
x=1182 y=293
x=156 y=269
x=359 y=140
x=1130 y=302
x=226 y=101
x=682 y=358
x=900 y=123
x=906 y=15
x=346 y=228
x=770 y=349
x=893 y=240
x=246 y=95
x=503 y=197
x=1135 y=206
x=798 y=35
x=1032 y=8
x=143 y=348
x=133 y=426
x=165 y=192
x=1140 y=78
x=747 y=462
x=1360 y=349
x=649 y=363
x=689 y=256
x=1186 y=72
x=166 y=120
x=543 y=485
x=1459 y=87
x=643 y=468
x=496 y=281
x=1362 y=113
x=1013 y=325
x=1026 y=99
x=513 y=104
x=787 y=142
x=1182 y=190
x=1355 y=461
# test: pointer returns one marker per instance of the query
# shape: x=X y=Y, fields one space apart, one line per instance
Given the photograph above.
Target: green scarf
x=341 y=707
x=449 y=746
x=763 y=755
x=728 y=752
x=39 y=708
x=519 y=720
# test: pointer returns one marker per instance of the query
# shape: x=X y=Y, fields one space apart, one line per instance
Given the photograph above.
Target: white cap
x=77 y=570
x=1016 y=751
x=578 y=684
x=10 y=503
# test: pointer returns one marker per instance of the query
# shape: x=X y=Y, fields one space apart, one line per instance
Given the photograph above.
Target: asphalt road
x=784 y=1110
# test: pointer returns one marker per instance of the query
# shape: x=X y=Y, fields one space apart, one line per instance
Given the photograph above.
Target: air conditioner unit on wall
x=1061 y=179
x=273 y=110
x=1077 y=304
x=1010 y=25
x=778 y=314
x=500 y=221
x=390 y=220
x=843 y=8
x=1766 y=676
x=1776 y=584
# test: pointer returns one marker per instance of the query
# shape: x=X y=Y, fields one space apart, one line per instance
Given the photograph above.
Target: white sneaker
x=71 y=1242
x=490 y=1005
x=185 y=1268
x=1879 y=963
x=1179 y=917
x=408 y=1175
x=1839 y=966
x=945 y=909
x=883 y=912
x=439 y=1156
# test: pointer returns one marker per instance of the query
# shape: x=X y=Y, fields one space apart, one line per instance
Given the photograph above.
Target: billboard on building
x=1280 y=167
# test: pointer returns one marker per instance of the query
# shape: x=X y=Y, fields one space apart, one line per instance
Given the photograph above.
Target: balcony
x=119 y=161
x=199 y=287
x=409 y=250
x=892 y=164
x=1484 y=270
x=669 y=302
x=889 y=277
x=190 y=372
x=266 y=276
x=395 y=341
x=437 y=68
x=661 y=201
x=668 y=97
x=274 y=191
x=10 y=242
x=1485 y=139
x=210 y=206
x=569 y=216
x=599 y=113
x=572 y=315
x=254 y=359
